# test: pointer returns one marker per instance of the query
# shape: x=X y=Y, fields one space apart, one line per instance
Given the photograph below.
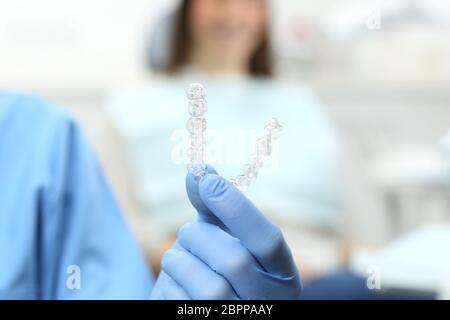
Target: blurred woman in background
x=221 y=38
x=225 y=45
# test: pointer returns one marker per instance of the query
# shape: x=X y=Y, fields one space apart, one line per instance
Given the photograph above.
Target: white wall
x=82 y=44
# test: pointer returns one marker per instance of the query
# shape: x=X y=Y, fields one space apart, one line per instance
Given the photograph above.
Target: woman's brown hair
x=260 y=64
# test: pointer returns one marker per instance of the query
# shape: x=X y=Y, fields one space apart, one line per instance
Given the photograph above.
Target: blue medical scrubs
x=62 y=235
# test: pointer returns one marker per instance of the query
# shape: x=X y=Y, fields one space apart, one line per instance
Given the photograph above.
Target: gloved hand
x=231 y=251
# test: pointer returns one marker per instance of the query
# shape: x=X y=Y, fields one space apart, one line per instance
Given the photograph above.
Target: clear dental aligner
x=262 y=151
x=196 y=126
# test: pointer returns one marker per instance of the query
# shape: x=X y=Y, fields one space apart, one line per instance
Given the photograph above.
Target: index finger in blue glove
x=245 y=222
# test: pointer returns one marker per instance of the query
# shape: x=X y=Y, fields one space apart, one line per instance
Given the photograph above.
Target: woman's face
x=227 y=29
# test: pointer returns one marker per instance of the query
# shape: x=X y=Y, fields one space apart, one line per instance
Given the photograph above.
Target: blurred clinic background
x=360 y=181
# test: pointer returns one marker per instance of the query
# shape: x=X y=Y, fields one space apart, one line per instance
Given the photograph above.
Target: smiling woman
x=228 y=36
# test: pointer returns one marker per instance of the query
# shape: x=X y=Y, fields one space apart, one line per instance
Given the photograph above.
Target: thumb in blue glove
x=231 y=251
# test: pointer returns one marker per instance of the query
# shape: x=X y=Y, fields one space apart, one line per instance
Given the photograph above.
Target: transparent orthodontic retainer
x=196 y=126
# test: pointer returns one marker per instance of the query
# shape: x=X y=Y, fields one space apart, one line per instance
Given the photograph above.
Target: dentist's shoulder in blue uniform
x=60 y=226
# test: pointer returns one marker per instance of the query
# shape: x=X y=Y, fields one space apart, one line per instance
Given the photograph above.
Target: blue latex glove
x=231 y=251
